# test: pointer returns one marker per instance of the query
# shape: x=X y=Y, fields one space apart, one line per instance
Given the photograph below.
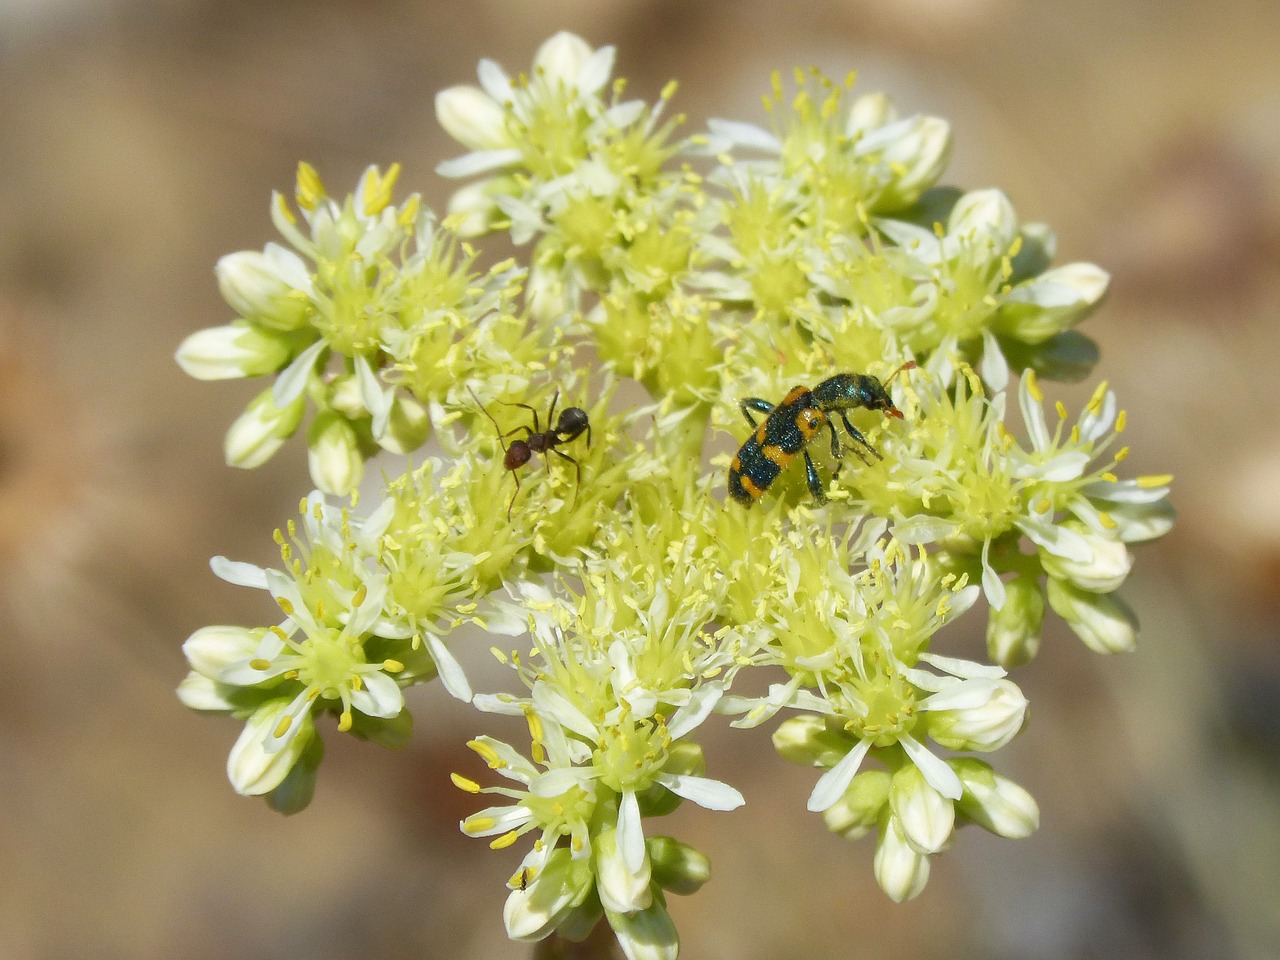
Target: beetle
x=572 y=423
x=789 y=426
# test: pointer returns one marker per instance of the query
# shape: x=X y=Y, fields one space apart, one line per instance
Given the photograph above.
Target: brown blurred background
x=139 y=141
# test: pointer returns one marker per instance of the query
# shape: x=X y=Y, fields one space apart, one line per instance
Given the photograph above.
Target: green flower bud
x=993 y=802
x=333 y=454
x=807 y=740
x=294 y=793
x=472 y=117
x=900 y=870
x=861 y=806
x=1104 y=572
x=1140 y=522
x=620 y=890
x=927 y=817
x=532 y=913
x=647 y=934
x=261 y=430
x=250 y=768
x=210 y=649
x=267 y=287
x=1013 y=631
x=1053 y=302
x=408 y=427
x=677 y=867
x=231 y=352
x=1102 y=620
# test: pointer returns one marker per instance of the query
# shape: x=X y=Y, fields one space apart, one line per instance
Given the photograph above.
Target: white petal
x=451 y=675
x=471 y=117
x=284 y=587
x=745 y=135
x=963 y=668
x=630 y=832
x=1033 y=414
x=595 y=72
x=240 y=573
x=940 y=776
x=1058 y=540
x=705 y=792
x=994 y=368
x=210 y=649
x=691 y=714
x=992 y=585
x=293 y=378
x=832 y=785
x=1125 y=491
x=478 y=161
x=494 y=79
x=380 y=696
x=375 y=398
x=923 y=528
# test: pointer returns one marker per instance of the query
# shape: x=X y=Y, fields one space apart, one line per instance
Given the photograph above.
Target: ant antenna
x=485 y=411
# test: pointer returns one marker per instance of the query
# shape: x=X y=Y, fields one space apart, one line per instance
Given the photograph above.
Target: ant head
x=573 y=420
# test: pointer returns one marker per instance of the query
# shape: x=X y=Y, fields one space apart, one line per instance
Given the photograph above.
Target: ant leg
x=756 y=404
x=516 y=477
x=577 y=472
x=537 y=428
x=815 y=482
x=862 y=440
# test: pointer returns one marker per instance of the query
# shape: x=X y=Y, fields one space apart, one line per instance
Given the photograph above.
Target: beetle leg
x=853 y=432
x=756 y=404
x=815 y=482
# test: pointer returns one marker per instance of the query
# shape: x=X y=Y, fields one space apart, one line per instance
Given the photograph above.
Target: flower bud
x=647 y=934
x=995 y=803
x=984 y=213
x=408 y=427
x=250 y=768
x=472 y=117
x=342 y=395
x=210 y=649
x=1104 y=572
x=918 y=159
x=861 y=806
x=1102 y=620
x=900 y=870
x=808 y=741
x=677 y=867
x=869 y=111
x=295 y=791
x=268 y=287
x=1140 y=522
x=231 y=352
x=1013 y=631
x=621 y=890
x=1054 y=301
x=198 y=692
x=532 y=913
x=985 y=727
x=261 y=430
x=333 y=454
x=561 y=57
x=926 y=817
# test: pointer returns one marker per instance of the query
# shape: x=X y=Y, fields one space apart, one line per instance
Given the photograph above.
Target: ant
x=571 y=424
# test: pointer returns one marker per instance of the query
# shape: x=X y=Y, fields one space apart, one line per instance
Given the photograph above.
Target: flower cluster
x=584 y=512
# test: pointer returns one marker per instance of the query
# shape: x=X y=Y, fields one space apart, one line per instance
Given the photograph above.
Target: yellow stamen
x=285 y=605
x=504 y=841
x=257 y=663
x=282 y=727
x=1062 y=410
x=487 y=754
x=344 y=721
x=1033 y=386
x=283 y=206
x=1154 y=480
x=1121 y=419
x=1107 y=520
x=462 y=783
x=310 y=187
x=1110 y=477
x=392 y=666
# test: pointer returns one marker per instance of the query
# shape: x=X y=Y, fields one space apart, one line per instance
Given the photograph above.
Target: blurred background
x=140 y=140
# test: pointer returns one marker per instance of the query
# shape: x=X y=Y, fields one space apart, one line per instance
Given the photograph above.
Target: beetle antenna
x=909 y=365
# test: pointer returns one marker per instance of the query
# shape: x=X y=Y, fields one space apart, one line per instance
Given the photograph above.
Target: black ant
x=572 y=424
